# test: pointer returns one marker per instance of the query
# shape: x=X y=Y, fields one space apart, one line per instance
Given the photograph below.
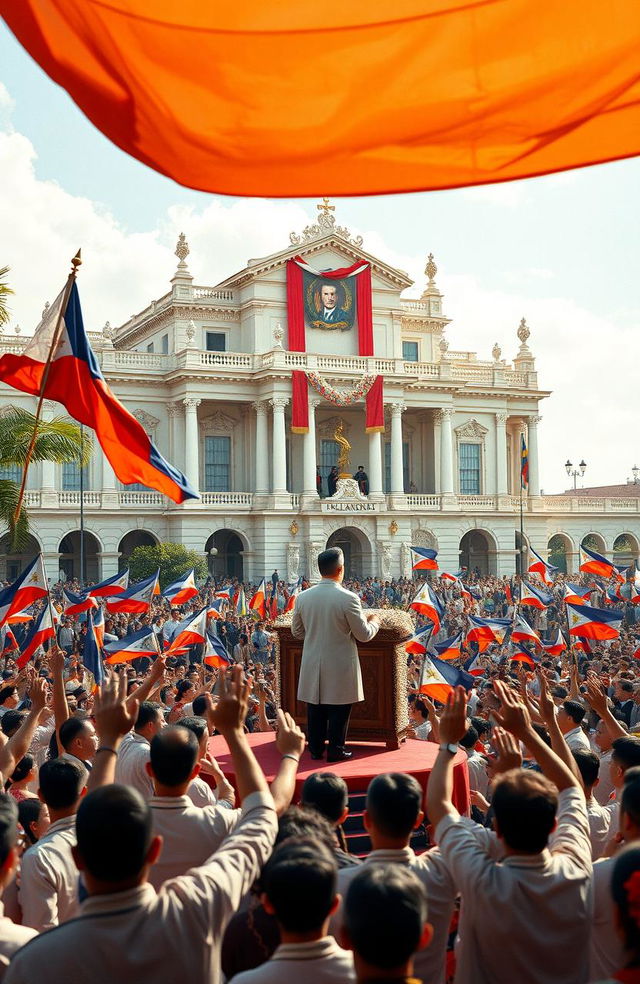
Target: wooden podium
x=382 y=716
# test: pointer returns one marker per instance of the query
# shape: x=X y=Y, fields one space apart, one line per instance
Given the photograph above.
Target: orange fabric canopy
x=346 y=98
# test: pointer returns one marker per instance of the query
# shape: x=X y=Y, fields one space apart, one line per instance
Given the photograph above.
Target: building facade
x=207 y=371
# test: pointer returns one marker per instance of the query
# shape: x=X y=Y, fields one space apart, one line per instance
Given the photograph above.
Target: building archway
x=594 y=541
x=478 y=552
x=69 y=550
x=11 y=563
x=224 y=550
x=129 y=542
x=625 y=549
x=560 y=552
x=356 y=549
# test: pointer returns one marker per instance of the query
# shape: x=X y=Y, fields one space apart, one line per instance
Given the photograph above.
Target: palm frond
x=59 y=440
x=5 y=291
x=18 y=531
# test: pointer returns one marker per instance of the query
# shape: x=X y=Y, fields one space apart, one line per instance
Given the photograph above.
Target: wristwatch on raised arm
x=448 y=747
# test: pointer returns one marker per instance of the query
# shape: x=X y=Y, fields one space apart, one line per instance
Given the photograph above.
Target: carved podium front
x=382 y=715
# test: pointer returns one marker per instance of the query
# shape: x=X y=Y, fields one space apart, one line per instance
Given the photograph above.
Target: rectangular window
x=405 y=466
x=469 y=469
x=164 y=345
x=217 y=464
x=150 y=347
x=410 y=351
x=71 y=477
x=216 y=341
x=11 y=473
x=329 y=451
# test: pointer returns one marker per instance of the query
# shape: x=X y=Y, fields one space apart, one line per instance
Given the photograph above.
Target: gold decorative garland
x=340 y=398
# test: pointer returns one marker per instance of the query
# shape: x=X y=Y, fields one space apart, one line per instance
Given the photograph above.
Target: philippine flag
x=112 y=586
x=540 y=567
x=27 y=588
x=474 y=667
x=76 y=381
x=258 y=602
x=417 y=644
x=98 y=626
x=522 y=632
x=41 y=630
x=74 y=604
x=437 y=679
x=291 y=600
x=7 y=640
x=575 y=594
x=427 y=603
x=136 y=599
x=141 y=643
x=455 y=580
x=594 y=563
x=424 y=559
x=191 y=631
x=23 y=616
x=593 y=623
x=484 y=631
x=216 y=609
x=520 y=654
x=448 y=648
x=181 y=590
x=557 y=646
x=534 y=597
x=91 y=658
x=214 y=653
x=223 y=593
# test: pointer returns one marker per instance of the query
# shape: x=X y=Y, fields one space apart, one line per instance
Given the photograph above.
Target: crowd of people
x=125 y=851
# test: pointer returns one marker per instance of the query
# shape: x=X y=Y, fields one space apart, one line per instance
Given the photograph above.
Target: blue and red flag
x=534 y=597
x=522 y=632
x=428 y=604
x=424 y=559
x=258 y=602
x=112 y=586
x=224 y=593
x=98 y=626
x=75 y=380
x=449 y=648
x=214 y=653
x=521 y=654
x=556 y=646
x=474 y=667
x=30 y=585
x=91 y=658
x=41 y=630
x=291 y=600
x=190 y=632
x=593 y=623
x=217 y=608
x=524 y=463
x=455 y=580
x=74 y=604
x=484 y=631
x=144 y=642
x=438 y=678
x=8 y=643
x=181 y=590
x=136 y=599
x=575 y=593
x=542 y=568
x=594 y=563
x=418 y=643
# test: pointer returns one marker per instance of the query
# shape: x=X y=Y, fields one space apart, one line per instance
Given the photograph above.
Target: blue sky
x=561 y=250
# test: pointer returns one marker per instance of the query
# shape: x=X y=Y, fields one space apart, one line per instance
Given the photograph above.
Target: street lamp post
x=575 y=472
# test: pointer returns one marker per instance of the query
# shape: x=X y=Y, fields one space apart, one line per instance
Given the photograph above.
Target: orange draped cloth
x=346 y=98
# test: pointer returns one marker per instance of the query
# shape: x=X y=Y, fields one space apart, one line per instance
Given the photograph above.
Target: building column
x=279 y=459
x=375 y=465
x=309 y=486
x=48 y=483
x=176 y=446
x=501 y=454
x=262 y=444
x=446 y=451
x=397 y=477
x=534 y=474
x=191 y=442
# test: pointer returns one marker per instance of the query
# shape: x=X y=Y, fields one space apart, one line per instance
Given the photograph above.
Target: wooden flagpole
x=75 y=263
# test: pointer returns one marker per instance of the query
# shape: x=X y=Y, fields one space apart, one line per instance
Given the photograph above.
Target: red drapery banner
x=297 y=339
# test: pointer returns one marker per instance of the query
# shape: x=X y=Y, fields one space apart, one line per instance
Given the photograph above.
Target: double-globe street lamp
x=575 y=472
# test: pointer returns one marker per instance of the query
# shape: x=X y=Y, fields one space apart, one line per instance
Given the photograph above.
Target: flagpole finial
x=76 y=262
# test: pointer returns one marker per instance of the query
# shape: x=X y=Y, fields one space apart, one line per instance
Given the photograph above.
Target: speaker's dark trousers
x=327 y=722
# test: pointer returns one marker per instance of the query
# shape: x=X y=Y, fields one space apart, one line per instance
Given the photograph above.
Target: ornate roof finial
x=17 y=329
x=431 y=269
x=325 y=226
x=45 y=309
x=182 y=249
x=496 y=352
x=324 y=208
x=523 y=333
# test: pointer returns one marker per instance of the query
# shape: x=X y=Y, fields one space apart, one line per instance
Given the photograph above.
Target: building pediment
x=471 y=430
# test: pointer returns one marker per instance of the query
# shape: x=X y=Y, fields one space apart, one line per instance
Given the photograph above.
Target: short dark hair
x=385 y=910
x=469 y=738
x=588 y=765
x=525 y=803
x=630 y=799
x=147 y=712
x=23 y=768
x=61 y=782
x=394 y=802
x=559 y=691
x=174 y=752
x=299 y=880
x=626 y=864
x=11 y=721
x=626 y=751
x=574 y=710
x=6 y=692
x=114 y=830
x=199 y=705
x=303 y=821
x=70 y=730
x=327 y=793
x=29 y=811
x=330 y=561
x=626 y=685
x=197 y=725
x=8 y=825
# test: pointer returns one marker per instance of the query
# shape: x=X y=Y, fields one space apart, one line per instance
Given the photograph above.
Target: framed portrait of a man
x=329 y=303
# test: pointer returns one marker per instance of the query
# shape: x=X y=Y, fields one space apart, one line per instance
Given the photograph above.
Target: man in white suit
x=330 y=620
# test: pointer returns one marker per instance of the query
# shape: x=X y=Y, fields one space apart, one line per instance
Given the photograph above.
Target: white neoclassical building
x=207 y=371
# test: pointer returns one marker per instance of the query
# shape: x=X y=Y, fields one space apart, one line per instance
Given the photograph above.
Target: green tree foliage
x=173 y=559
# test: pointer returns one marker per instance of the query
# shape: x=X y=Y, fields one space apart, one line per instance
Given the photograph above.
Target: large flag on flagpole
x=484 y=631
x=181 y=590
x=424 y=559
x=428 y=604
x=136 y=599
x=524 y=463
x=438 y=678
x=593 y=623
x=73 y=378
x=41 y=630
x=28 y=587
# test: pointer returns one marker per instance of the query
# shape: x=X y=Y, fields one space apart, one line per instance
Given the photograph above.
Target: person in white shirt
x=602 y=741
x=536 y=902
x=133 y=755
x=385 y=923
x=476 y=763
x=78 y=738
x=570 y=715
x=127 y=931
x=299 y=889
x=12 y=936
x=199 y=791
x=48 y=876
x=600 y=817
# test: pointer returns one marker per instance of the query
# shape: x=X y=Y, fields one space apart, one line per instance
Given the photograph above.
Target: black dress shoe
x=317 y=758
x=340 y=755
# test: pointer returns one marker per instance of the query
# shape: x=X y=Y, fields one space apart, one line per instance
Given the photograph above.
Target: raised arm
x=18 y=745
x=453 y=724
x=558 y=744
x=290 y=744
x=114 y=715
x=60 y=706
x=597 y=698
x=228 y=718
x=152 y=682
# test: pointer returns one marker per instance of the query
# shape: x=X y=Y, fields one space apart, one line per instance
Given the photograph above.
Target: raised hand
x=289 y=738
x=513 y=715
x=597 y=695
x=508 y=751
x=546 y=705
x=231 y=710
x=56 y=661
x=453 y=720
x=113 y=718
x=38 y=695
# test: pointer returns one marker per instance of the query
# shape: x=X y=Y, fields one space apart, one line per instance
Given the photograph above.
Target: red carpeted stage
x=369 y=760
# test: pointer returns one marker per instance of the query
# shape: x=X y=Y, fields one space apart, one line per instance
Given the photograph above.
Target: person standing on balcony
x=332 y=481
x=362 y=479
x=318 y=482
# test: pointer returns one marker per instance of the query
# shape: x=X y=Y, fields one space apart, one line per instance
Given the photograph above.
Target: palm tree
x=59 y=440
x=5 y=290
